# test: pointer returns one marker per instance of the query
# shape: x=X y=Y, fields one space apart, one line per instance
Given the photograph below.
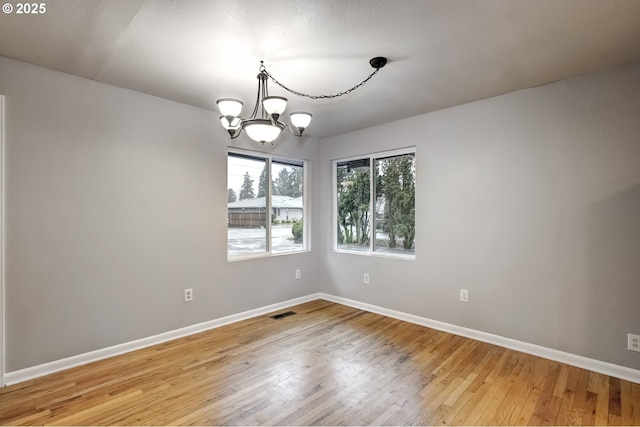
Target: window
x=265 y=205
x=375 y=204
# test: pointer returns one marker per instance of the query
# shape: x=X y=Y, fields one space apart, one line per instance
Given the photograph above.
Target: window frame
x=306 y=211
x=372 y=158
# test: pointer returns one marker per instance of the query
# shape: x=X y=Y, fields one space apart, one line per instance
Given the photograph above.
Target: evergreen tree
x=231 y=196
x=342 y=172
x=281 y=185
x=246 y=191
x=262 y=182
x=408 y=201
x=296 y=177
x=396 y=185
x=353 y=206
x=360 y=215
x=289 y=182
x=391 y=190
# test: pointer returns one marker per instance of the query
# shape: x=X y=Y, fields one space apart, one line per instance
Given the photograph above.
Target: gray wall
x=116 y=202
x=531 y=201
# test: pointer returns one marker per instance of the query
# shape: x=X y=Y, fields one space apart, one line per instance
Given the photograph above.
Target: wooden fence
x=247 y=219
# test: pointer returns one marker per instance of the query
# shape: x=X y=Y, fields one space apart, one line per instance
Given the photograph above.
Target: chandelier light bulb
x=300 y=120
x=274 y=105
x=229 y=107
x=262 y=130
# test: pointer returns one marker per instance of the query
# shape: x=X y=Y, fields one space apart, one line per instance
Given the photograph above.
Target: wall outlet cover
x=633 y=342
x=464 y=295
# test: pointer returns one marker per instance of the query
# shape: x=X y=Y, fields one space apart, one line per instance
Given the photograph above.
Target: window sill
x=264 y=255
x=380 y=254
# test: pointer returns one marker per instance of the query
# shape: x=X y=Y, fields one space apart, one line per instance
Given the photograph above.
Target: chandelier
x=264 y=124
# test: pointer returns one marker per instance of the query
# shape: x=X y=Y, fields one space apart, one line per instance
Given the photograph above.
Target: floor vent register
x=283 y=315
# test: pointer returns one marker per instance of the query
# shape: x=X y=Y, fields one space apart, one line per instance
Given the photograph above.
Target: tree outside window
x=354 y=213
x=395 y=189
x=375 y=201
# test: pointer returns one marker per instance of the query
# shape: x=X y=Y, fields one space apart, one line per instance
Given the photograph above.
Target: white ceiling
x=441 y=53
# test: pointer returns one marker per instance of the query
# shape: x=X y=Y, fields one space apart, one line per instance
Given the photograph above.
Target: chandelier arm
x=295 y=92
x=292 y=129
x=254 y=114
x=265 y=93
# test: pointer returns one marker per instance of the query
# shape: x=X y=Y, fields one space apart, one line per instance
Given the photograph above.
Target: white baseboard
x=599 y=366
x=93 y=356
x=606 y=368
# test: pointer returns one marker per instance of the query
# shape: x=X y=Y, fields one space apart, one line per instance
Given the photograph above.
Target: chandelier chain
x=295 y=92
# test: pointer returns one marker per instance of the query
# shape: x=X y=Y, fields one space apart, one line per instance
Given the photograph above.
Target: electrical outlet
x=298 y=274
x=464 y=295
x=365 y=279
x=188 y=295
x=633 y=342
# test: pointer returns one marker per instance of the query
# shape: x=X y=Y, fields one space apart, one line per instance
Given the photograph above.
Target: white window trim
x=306 y=215
x=334 y=222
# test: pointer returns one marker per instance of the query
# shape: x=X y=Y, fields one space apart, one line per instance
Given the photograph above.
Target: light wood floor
x=330 y=365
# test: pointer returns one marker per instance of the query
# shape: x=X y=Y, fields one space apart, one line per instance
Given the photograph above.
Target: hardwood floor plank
x=535 y=378
x=600 y=383
x=508 y=411
x=503 y=387
x=470 y=409
x=565 y=415
x=561 y=381
x=109 y=406
x=626 y=402
x=635 y=398
x=449 y=414
x=546 y=410
x=615 y=403
x=456 y=392
x=327 y=365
